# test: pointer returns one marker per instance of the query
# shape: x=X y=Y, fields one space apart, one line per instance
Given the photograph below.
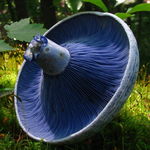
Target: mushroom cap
x=80 y=101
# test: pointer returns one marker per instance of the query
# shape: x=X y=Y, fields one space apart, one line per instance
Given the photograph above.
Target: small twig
x=6 y=94
x=18 y=98
x=10 y=93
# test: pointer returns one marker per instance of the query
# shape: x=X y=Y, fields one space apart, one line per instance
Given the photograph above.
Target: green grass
x=129 y=130
x=8 y=80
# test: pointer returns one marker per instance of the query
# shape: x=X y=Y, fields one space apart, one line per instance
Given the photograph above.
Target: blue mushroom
x=76 y=77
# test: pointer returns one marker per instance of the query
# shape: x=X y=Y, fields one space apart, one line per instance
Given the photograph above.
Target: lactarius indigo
x=76 y=77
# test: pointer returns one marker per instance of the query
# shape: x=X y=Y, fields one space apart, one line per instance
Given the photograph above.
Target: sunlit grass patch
x=138 y=103
x=9 y=65
x=8 y=79
x=135 y=118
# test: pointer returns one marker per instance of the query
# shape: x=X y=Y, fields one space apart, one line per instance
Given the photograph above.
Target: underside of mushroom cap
x=55 y=108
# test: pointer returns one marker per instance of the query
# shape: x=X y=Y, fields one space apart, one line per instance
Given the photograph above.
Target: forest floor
x=129 y=130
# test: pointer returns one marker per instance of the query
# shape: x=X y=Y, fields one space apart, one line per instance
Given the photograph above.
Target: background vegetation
x=20 y=20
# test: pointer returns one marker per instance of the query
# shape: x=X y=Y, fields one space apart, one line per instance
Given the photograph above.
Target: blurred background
x=20 y=20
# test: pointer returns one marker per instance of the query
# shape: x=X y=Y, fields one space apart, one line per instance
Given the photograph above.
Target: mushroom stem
x=51 y=57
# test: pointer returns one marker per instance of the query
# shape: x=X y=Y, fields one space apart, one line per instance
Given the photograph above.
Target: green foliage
x=4 y=46
x=98 y=3
x=123 y=15
x=139 y=7
x=74 y=5
x=23 y=30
